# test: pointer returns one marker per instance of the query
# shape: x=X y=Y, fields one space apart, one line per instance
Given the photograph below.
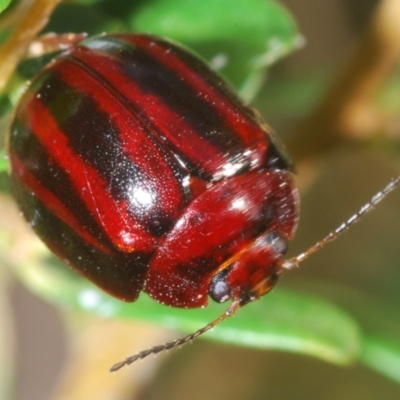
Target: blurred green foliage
x=242 y=42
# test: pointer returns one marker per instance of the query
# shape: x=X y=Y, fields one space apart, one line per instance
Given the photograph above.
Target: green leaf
x=4 y=4
x=378 y=320
x=5 y=105
x=240 y=41
x=380 y=323
x=88 y=2
x=382 y=354
x=282 y=320
x=72 y=17
x=3 y=161
x=294 y=97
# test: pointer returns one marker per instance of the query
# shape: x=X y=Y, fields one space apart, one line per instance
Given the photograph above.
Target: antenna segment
x=295 y=261
x=180 y=342
x=289 y=264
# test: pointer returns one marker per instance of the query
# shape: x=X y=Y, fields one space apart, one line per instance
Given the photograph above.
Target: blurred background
x=47 y=346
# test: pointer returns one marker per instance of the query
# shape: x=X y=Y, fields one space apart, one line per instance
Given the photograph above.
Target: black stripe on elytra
x=277 y=159
x=157 y=79
x=95 y=138
x=120 y=274
x=177 y=94
x=214 y=80
x=179 y=169
x=44 y=167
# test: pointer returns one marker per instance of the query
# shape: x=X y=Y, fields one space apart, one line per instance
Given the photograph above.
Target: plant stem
x=17 y=44
x=346 y=111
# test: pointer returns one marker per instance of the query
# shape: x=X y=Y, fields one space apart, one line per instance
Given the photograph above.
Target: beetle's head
x=254 y=273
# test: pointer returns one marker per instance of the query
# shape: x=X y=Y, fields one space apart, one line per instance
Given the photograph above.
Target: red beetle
x=142 y=170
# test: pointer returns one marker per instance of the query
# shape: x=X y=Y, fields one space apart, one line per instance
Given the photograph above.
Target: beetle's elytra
x=141 y=169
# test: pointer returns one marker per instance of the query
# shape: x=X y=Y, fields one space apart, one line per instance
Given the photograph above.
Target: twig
x=346 y=109
x=15 y=47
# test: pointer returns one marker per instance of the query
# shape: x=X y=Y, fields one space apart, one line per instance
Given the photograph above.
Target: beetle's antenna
x=289 y=264
x=180 y=342
x=295 y=261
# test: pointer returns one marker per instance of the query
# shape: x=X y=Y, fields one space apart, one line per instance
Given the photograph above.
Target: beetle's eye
x=219 y=289
x=278 y=242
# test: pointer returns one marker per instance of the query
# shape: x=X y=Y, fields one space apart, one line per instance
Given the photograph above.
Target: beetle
x=141 y=169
